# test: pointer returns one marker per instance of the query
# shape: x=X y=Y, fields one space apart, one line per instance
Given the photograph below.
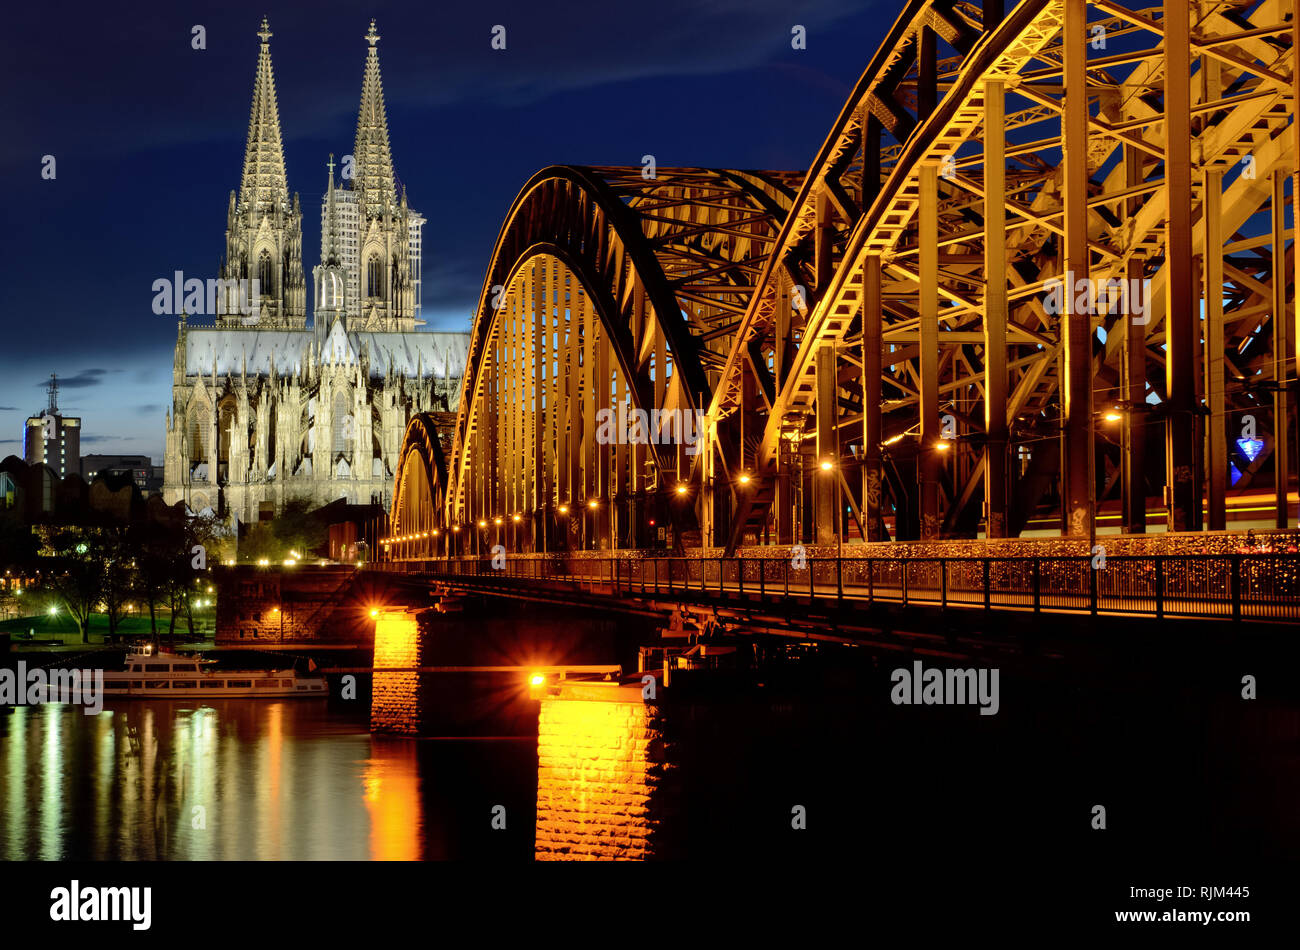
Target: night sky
x=148 y=138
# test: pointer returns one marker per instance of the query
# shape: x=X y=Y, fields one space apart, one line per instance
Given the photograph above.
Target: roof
x=436 y=353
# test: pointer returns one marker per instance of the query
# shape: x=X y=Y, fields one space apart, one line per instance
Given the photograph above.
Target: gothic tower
x=386 y=293
x=263 y=230
x=330 y=277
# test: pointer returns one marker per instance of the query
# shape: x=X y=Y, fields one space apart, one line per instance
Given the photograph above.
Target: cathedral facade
x=266 y=408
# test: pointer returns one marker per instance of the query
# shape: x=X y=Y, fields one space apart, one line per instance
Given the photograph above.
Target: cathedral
x=267 y=408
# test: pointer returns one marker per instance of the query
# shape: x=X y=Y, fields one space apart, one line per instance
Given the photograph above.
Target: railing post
x=839 y=579
x=656 y=565
x=871 y=581
x=902 y=575
x=943 y=583
x=740 y=576
x=1092 y=588
x=1036 y=580
x=1160 y=588
x=1236 y=587
x=987 y=598
x=762 y=580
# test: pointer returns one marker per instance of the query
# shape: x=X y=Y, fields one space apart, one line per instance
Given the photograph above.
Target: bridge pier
x=603 y=790
x=396 y=701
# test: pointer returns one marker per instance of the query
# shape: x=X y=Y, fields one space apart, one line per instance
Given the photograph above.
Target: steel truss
x=888 y=336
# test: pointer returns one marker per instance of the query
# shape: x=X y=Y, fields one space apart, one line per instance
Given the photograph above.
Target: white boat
x=171 y=676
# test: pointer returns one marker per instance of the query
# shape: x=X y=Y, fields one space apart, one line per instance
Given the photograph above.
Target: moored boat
x=149 y=675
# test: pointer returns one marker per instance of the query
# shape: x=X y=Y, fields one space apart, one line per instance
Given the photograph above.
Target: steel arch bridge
x=1040 y=267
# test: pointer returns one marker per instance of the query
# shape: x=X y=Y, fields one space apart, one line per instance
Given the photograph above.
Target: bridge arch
x=417 y=523
x=601 y=328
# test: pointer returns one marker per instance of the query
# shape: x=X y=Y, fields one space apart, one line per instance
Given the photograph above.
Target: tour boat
x=150 y=675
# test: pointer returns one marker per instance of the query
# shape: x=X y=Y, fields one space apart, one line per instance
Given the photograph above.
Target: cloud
x=108 y=438
x=82 y=380
x=8 y=408
x=148 y=410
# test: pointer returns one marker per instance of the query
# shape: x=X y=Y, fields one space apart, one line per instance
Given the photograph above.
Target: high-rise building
x=52 y=438
x=265 y=408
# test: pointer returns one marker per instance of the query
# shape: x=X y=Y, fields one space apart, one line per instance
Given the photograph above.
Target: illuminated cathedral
x=267 y=407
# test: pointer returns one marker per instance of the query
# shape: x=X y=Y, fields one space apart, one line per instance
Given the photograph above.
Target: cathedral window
x=265 y=275
x=374 y=277
x=225 y=432
x=343 y=424
x=197 y=450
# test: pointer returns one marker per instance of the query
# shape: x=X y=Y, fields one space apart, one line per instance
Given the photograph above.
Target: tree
x=298 y=529
x=76 y=575
x=118 y=549
x=160 y=549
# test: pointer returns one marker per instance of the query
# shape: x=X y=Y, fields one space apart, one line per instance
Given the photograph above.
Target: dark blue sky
x=148 y=137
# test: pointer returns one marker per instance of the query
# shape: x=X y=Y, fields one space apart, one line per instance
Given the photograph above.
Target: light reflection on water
x=286 y=780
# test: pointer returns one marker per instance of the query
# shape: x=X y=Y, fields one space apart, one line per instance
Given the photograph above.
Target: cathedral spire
x=374 y=179
x=331 y=221
x=264 y=182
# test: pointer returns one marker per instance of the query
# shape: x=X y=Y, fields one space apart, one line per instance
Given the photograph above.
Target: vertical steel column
x=1216 y=440
x=996 y=314
x=1182 y=323
x=1077 y=428
x=590 y=403
x=827 y=480
x=1133 y=374
x=784 y=488
x=1281 y=352
x=543 y=406
x=1295 y=182
x=928 y=291
x=872 y=436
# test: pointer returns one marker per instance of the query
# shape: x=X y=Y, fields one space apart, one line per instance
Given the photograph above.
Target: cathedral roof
x=428 y=352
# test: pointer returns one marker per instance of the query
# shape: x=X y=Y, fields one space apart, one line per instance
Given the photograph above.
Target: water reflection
x=246 y=780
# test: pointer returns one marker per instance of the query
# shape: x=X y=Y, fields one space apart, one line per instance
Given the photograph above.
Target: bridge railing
x=1255 y=586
